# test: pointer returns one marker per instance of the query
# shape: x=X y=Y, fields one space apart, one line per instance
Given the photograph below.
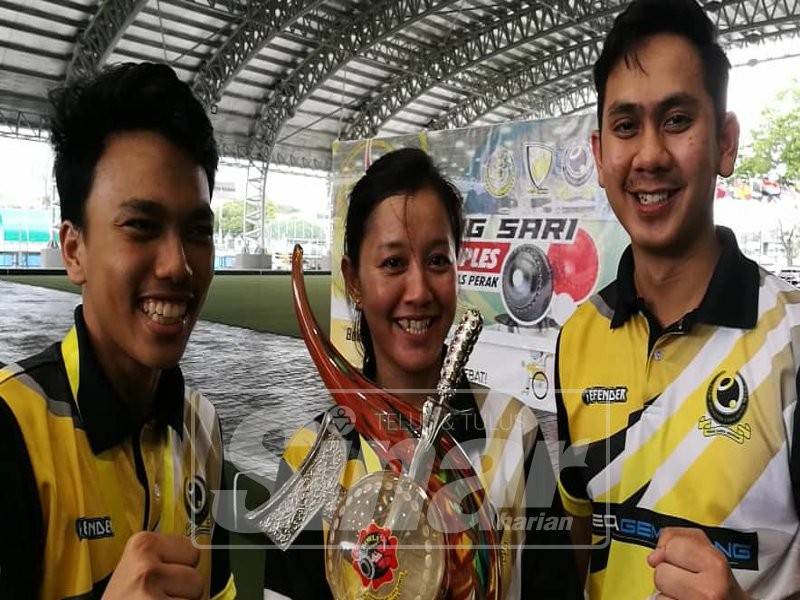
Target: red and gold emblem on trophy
x=374 y=555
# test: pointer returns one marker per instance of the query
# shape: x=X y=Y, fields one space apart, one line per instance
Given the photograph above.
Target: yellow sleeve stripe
x=70 y=355
x=352 y=472
x=299 y=447
x=371 y=460
x=228 y=593
x=580 y=507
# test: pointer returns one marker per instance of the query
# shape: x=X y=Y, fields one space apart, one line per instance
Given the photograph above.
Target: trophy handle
x=313 y=488
x=346 y=384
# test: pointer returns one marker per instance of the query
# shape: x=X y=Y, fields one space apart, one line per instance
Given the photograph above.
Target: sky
x=26 y=166
x=753 y=88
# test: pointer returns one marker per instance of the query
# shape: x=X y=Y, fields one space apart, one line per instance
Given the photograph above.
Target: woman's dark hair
x=125 y=97
x=401 y=172
x=646 y=18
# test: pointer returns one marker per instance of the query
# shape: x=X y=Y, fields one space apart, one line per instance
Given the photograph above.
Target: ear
x=352 y=283
x=73 y=251
x=728 y=145
x=598 y=156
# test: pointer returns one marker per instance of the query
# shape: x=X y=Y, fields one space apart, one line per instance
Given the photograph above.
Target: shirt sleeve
x=222 y=583
x=21 y=528
x=571 y=484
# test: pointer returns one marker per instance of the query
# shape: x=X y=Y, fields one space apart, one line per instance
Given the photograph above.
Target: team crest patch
x=197 y=502
x=374 y=557
x=726 y=401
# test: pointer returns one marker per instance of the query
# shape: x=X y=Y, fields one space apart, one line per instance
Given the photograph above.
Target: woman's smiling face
x=406 y=284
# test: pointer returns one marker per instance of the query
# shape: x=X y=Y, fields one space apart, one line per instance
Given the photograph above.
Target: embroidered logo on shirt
x=605 y=395
x=726 y=400
x=197 y=503
x=93 y=528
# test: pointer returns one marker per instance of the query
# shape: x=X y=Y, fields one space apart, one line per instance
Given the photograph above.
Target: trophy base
x=386 y=542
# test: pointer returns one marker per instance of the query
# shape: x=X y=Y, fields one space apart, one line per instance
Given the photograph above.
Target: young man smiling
x=107 y=458
x=690 y=484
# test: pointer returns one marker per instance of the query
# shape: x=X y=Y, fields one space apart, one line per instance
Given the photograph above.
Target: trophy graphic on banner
x=539 y=160
x=421 y=528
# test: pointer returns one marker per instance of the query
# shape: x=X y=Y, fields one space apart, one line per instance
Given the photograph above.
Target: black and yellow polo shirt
x=693 y=425
x=81 y=476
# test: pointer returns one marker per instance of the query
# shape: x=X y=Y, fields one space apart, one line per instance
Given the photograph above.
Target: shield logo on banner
x=540 y=162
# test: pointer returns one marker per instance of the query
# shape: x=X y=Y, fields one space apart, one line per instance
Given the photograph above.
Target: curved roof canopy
x=285 y=78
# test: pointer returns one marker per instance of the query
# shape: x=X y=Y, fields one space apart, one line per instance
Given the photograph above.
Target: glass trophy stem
x=471 y=565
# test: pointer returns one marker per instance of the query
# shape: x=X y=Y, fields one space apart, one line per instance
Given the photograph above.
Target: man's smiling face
x=660 y=149
x=145 y=253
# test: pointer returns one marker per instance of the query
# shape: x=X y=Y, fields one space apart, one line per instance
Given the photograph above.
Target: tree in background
x=271 y=210
x=789 y=235
x=233 y=216
x=776 y=142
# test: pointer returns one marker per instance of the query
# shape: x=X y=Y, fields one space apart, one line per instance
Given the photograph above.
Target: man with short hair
x=690 y=479
x=107 y=459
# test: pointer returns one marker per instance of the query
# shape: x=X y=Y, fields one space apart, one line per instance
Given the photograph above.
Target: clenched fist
x=689 y=567
x=157 y=566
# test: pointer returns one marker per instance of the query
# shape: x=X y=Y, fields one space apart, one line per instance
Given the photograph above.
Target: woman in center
x=402 y=236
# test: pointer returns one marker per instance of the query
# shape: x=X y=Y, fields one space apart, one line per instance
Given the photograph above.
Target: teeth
x=415 y=325
x=652 y=198
x=167 y=313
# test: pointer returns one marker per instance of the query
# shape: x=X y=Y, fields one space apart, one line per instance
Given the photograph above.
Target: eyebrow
x=399 y=244
x=623 y=108
x=439 y=242
x=393 y=245
x=156 y=209
x=679 y=99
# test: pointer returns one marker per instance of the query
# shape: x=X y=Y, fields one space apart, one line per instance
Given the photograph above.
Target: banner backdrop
x=539 y=239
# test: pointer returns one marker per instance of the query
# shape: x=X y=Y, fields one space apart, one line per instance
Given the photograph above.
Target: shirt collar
x=731 y=299
x=106 y=419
